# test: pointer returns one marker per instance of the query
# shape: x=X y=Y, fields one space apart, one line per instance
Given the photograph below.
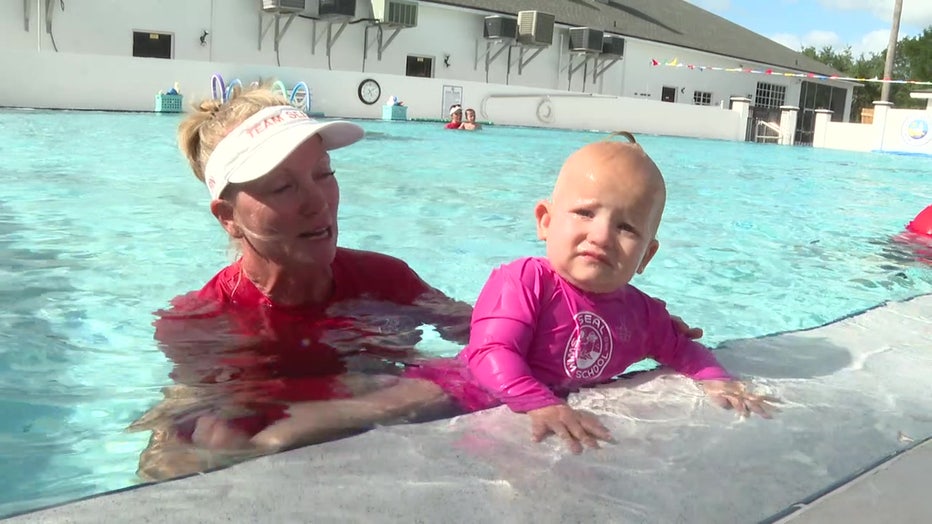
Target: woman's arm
x=450 y=317
x=410 y=400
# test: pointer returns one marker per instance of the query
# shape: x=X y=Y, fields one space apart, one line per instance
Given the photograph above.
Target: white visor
x=264 y=140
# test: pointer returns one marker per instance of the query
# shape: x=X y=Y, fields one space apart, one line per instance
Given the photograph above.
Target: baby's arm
x=675 y=349
x=502 y=332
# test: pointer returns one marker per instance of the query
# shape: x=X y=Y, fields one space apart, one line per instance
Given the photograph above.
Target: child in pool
x=470 y=123
x=545 y=326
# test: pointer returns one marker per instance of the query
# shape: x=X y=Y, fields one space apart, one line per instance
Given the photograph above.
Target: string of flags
x=676 y=63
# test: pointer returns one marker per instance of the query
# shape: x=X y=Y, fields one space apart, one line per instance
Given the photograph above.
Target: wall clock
x=369 y=91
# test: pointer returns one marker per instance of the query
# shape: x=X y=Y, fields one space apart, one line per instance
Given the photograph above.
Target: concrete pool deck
x=850 y=445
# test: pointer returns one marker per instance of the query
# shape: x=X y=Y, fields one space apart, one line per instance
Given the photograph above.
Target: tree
x=913 y=62
x=869 y=66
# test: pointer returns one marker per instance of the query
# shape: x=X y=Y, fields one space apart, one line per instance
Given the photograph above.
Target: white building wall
x=98 y=29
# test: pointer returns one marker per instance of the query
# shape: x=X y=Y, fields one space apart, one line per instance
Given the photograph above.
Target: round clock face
x=369 y=91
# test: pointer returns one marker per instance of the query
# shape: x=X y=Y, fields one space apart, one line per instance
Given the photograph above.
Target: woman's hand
x=731 y=394
x=212 y=432
x=577 y=428
x=682 y=327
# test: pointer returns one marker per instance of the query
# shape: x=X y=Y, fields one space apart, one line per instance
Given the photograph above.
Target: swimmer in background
x=543 y=327
x=470 y=123
x=456 y=117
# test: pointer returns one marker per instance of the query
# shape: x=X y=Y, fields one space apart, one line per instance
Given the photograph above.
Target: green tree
x=864 y=66
x=913 y=62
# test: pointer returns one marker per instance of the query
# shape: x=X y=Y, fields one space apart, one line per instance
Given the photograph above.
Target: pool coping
x=839 y=501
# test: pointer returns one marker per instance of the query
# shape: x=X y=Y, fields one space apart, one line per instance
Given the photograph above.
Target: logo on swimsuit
x=589 y=349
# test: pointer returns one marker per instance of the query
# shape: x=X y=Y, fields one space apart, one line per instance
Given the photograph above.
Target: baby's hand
x=575 y=427
x=734 y=394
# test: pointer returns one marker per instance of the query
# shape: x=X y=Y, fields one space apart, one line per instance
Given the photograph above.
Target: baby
x=545 y=326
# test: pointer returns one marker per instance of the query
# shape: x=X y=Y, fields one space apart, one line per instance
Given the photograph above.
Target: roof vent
x=586 y=39
x=498 y=27
x=398 y=13
x=535 y=28
x=336 y=10
x=283 y=6
x=613 y=45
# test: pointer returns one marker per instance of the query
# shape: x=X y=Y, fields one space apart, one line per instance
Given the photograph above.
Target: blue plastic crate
x=394 y=112
x=168 y=103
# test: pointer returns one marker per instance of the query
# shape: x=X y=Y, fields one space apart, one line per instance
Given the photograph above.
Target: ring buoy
x=922 y=224
x=545 y=110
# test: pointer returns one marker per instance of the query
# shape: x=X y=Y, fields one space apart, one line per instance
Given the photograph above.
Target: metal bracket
x=522 y=63
x=381 y=42
x=488 y=55
x=331 y=37
x=571 y=69
x=48 y=16
x=602 y=65
x=279 y=30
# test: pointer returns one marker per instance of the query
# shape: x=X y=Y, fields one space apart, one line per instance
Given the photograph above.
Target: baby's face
x=600 y=223
x=470 y=116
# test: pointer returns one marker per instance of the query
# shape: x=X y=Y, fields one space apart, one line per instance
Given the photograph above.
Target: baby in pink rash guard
x=543 y=327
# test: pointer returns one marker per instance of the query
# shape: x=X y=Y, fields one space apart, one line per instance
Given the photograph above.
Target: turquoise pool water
x=101 y=223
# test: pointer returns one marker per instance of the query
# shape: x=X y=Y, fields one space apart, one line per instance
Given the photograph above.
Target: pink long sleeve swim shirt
x=535 y=337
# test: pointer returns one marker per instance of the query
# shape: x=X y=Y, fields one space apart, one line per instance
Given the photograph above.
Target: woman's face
x=289 y=216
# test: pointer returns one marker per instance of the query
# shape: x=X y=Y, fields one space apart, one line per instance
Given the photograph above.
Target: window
x=702 y=98
x=152 y=45
x=420 y=66
x=769 y=95
x=668 y=94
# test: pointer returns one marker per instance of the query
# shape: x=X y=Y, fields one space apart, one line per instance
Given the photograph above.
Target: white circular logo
x=915 y=131
x=589 y=350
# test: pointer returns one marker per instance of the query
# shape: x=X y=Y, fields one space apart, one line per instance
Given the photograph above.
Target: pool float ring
x=922 y=224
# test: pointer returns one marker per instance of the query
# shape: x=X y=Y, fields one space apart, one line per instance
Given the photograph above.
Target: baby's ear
x=542 y=213
x=648 y=255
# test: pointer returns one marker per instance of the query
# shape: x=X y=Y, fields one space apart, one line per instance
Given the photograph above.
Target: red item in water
x=922 y=224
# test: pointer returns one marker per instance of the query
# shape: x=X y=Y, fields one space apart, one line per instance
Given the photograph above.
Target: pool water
x=101 y=223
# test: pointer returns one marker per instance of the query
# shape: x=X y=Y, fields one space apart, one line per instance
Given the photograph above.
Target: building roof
x=674 y=22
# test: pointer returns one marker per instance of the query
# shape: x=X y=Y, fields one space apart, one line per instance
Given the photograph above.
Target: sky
x=862 y=24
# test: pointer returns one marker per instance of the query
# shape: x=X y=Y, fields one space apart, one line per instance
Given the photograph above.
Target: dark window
x=769 y=95
x=668 y=94
x=814 y=96
x=702 y=98
x=421 y=66
x=152 y=45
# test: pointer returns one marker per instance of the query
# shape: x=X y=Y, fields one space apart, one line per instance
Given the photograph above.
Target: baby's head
x=601 y=221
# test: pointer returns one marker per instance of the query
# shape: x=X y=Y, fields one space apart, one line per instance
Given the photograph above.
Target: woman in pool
x=298 y=340
x=276 y=328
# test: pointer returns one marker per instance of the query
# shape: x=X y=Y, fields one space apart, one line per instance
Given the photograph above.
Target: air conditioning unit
x=398 y=13
x=336 y=9
x=500 y=27
x=283 y=6
x=535 y=28
x=613 y=45
x=586 y=39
